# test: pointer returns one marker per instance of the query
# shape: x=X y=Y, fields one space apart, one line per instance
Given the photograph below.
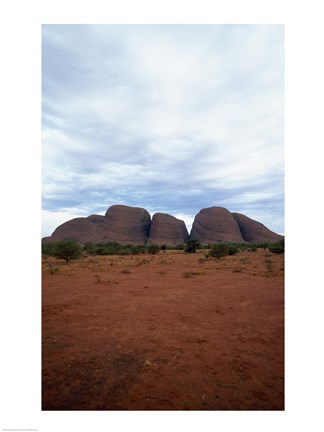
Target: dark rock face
x=123 y=224
x=96 y=219
x=81 y=230
x=215 y=224
x=253 y=231
x=127 y=225
x=167 y=229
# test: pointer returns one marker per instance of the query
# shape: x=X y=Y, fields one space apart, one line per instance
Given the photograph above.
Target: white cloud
x=52 y=219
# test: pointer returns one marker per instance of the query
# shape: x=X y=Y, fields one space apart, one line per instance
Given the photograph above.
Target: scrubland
x=169 y=331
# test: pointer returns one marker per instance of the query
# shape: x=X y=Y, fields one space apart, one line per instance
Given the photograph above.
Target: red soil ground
x=171 y=331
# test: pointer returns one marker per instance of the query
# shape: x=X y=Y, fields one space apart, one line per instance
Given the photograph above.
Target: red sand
x=171 y=331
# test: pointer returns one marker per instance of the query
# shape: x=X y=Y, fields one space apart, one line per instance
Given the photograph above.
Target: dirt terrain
x=171 y=331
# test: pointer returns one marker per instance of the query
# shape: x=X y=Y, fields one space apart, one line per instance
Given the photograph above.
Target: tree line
x=68 y=249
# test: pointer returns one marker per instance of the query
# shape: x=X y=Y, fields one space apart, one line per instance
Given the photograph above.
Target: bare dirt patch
x=171 y=331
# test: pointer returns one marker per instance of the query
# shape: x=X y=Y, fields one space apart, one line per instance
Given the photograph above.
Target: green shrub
x=179 y=246
x=67 y=250
x=241 y=246
x=233 y=249
x=278 y=247
x=219 y=250
x=263 y=245
x=137 y=249
x=191 y=246
x=113 y=248
x=153 y=249
x=47 y=248
x=90 y=248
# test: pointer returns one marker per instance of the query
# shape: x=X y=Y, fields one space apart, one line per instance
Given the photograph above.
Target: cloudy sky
x=172 y=118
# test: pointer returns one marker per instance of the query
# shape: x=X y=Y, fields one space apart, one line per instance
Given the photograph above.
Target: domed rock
x=81 y=230
x=123 y=224
x=167 y=229
x=255 y=232
x=127 y=225
x=214 y=225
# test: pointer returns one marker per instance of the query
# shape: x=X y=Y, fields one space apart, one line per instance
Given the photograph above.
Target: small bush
x=219 y=250
x=233 y=249
x=252 y=249
x=153 y=249
x=191 y=246
x=47 y=248
x=278 y=247
x=90 y=248
x=179 y=246
x=263 y=245
x=67 y=250
x=136 y=249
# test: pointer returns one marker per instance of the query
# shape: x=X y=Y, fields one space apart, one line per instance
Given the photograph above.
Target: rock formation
x=133 y=225
x=123 y=224
x=127 y=225
x=253 y=231
x=215 y=224
x=167 y=229
x=80 y=229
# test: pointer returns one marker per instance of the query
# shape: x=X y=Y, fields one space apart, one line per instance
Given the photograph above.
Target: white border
x=20 y=211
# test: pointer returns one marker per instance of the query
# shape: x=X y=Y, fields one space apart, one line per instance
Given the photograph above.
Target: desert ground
x=170 y=331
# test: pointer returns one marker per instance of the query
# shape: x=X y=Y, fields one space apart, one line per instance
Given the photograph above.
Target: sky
x=171 y=118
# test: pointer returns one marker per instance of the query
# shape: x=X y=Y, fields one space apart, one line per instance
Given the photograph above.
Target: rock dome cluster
x=134 y=225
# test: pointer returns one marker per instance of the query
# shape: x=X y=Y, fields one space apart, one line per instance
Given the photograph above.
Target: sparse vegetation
x=143 y=262
x=53 y=269
x=203 y=260
x=113 y=248
x=219 y=250
x=190 y=274
x=173 y=300
x=233 y=249
x=47 y=248
x=269 y=265
x=65 y=249
x=244 y=260
x=191 y=246
x=278 y=247
x=153 y=249
x=106 y=281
